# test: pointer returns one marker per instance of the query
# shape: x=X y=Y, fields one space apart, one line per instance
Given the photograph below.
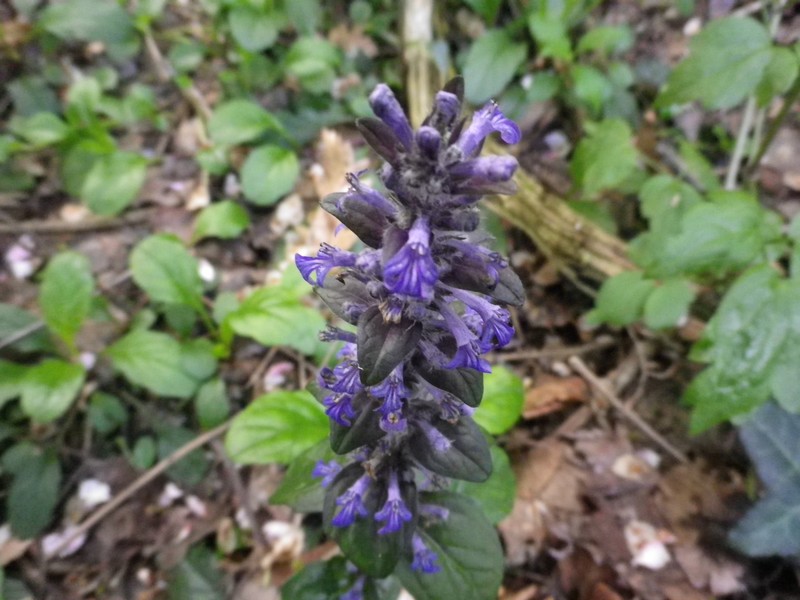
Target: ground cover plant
x=583 y=388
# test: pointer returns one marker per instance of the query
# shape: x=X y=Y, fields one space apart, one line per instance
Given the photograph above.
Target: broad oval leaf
x=298 y=488
x=268 y=174
x=65 y=295
x=33 y=494
x=225 y=220
x=490 y=64
x=160 y=363
x=274 y=316
x=467 y=458
x=113 y=182
x=276 y=427
x=770 y=437
x=364 y=430
x=468 y=553
x=382 y=346
x=238 y=121
x=503 y=397
x=495 y=495
x=725 y=64
x=253 y=29
x=464 y=384
x=164 y=269
x=49 y=388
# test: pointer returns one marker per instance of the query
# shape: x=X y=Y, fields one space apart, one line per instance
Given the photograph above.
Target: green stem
x=789 y=99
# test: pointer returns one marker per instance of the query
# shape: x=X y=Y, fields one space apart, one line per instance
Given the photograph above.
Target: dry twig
x=156 y=470
x=584 y=371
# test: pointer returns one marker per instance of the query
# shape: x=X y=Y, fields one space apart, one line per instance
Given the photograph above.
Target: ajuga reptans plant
x=426 y=297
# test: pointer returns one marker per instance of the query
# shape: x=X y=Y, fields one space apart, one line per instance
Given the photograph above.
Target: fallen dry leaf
x=550 y=394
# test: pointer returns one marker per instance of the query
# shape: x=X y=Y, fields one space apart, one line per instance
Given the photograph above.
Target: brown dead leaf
x=548 y=494
x=718 y=575
x=335 y=159
x=12 y=549
x=550 y=394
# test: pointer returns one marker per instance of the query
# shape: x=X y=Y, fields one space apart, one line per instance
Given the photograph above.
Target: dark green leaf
x=338 y=293
x=197 y=577
x=770 y=437
x=464 y=384
x=65 y=295
x=319 y=581
x=49 y=388
x=495 y=495
x=143 y=455
x=34 y=490
x=11 y=380
x=211 y=403
x=164 y=269
x=490 y=65
x=382 y=346
x=468 y=552
x=467 y=457
x=113 y=182
x=276 y=427
x=268 y=174
x=364 y=430
x=503 y=396
x=238 y=121
x=106 y=412
x=192 y=468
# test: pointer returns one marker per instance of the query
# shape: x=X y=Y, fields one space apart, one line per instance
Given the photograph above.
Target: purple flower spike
x=339 y=407
x=411 y=271
x=393 y=422
x=392 y=390
x=446 y=108
x=485 y=121
x=485 y=170
x=394 y=511
x=319 y=265
x=356 y=592
x=497 y=330
x=467 y=347
x=348 y=378
x=424 y=558
x=388 y=109
x=352 y=503
x=328 y=471
x=429 y=140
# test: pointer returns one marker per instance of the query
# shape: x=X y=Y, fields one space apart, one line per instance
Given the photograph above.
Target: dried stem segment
x=578 y=248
